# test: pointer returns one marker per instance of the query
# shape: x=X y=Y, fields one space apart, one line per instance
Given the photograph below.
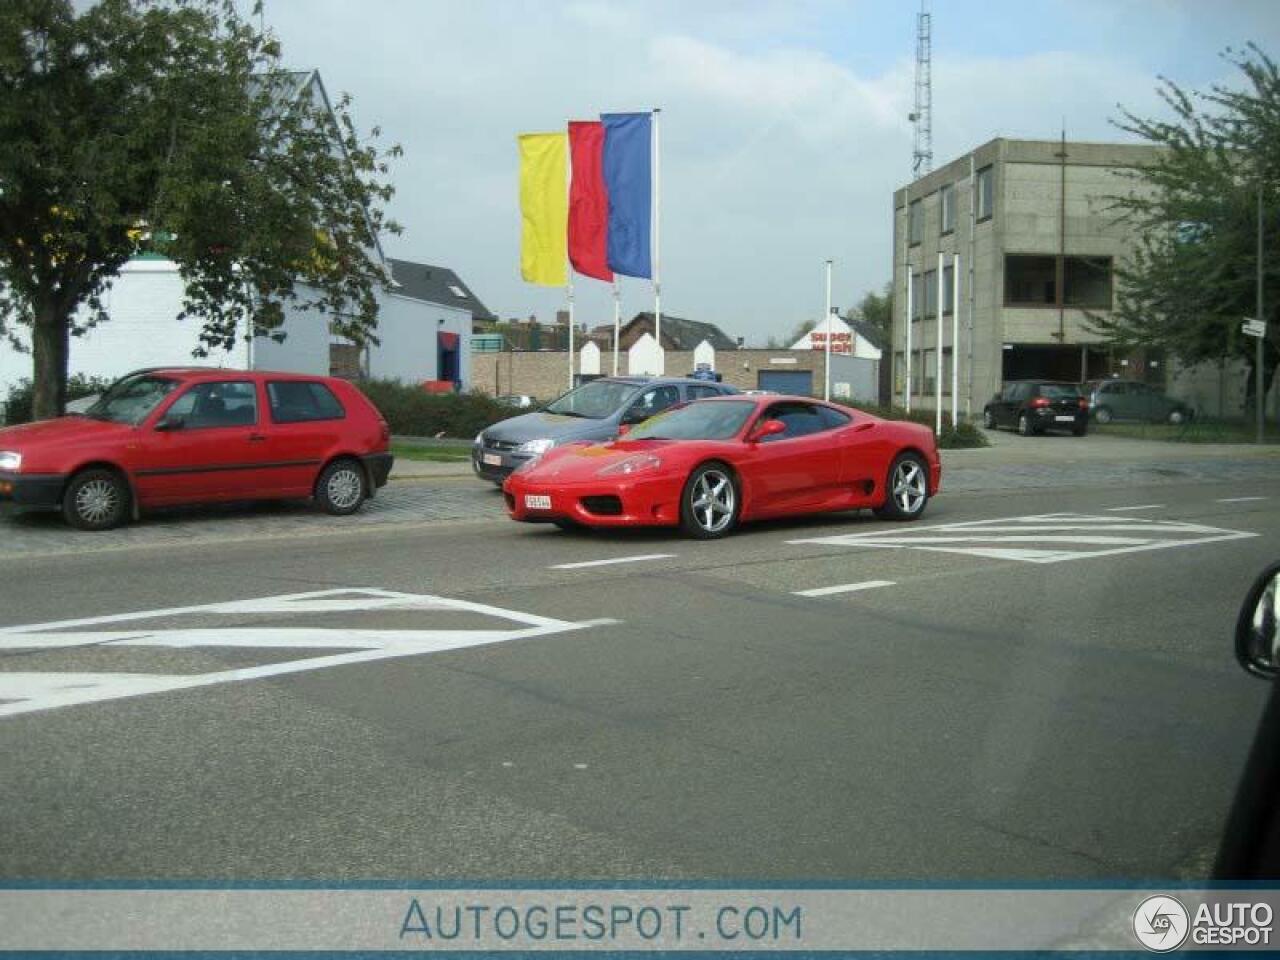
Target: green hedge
x=959 y=437
x=412 y=412
x=18 y=403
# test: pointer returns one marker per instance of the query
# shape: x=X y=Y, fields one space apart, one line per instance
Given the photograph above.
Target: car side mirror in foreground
x=770 y=428
x=1258 y=627
x=171 y=423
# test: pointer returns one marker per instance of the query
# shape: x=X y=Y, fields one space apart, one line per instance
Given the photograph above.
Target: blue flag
x=628 y=176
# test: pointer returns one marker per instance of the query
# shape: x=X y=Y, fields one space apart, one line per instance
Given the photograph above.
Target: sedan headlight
x=640 y=463
x=536 y=447
x=10 y=460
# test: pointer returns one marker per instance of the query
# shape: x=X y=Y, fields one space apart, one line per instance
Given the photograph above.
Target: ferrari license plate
x=536 y=501
x=492 y=459
x=1065 y=419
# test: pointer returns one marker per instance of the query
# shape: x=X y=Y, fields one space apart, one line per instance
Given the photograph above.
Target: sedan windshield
x=708 y=420
x=594 y=401
x=131 y=399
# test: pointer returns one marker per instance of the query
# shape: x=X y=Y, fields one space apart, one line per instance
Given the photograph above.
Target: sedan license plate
x=533 y=501
x=492 y=459
x=1065 y=419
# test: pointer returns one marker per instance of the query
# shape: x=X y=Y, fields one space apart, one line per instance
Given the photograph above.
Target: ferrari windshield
x=706 y=420
x=595 y=400
x=131 y=399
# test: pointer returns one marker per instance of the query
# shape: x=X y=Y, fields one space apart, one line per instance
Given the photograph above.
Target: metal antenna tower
x=922 y=116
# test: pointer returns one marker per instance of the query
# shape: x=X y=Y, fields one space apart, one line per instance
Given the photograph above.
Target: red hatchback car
x=196 y=435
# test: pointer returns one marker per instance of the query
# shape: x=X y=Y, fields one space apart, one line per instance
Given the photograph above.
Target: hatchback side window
x=301 y=401
x=697 y=392
x=230 y=403
x=651 y=402
x=1009 y=394
x=1021 y=391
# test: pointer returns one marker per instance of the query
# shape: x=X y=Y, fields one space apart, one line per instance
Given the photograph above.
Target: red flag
x=588 y=201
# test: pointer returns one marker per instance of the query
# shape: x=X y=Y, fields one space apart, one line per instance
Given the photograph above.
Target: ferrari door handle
x=256 y=437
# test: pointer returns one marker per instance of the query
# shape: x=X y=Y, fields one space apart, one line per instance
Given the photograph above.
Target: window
x=457 y=291
x=832 y=418
x=986 y=193
x=1010 y=392
x=702 y=421
x=1030 y=281
x=949 y=289
x=132 y=399
x=947 y=197
x=698 y=393
x=917 y=295
x=299 y=401
x=801 y=420
x=1086 y=282
x=230 y=403
x=946 y=371
x=915 y=222
x=928 y=370
x=930 y=294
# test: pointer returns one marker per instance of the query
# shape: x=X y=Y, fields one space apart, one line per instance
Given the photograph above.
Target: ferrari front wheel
x=908 y=491
x=710 y=504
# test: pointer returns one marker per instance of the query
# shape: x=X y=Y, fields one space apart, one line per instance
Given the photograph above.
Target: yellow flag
x=544 y=208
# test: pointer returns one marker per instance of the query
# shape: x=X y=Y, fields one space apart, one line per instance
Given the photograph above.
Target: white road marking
x=1059 y=529
x=1142 y=506
x=1238 y=499
x=604 y=563
x=844 y=588
x=36 y=691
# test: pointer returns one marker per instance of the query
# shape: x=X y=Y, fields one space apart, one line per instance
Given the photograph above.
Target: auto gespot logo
x=1161 y=923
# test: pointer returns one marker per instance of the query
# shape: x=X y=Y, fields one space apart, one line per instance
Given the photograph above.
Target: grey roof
x=424 y=281
x=868 y=331
x=687 y=334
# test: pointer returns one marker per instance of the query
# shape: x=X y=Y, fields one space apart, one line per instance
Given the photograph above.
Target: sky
x=784 y=127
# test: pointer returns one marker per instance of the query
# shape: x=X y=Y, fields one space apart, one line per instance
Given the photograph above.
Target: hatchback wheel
x=1103 y=415
x=95 y=500
x=1177 y=417
x=1024 y=425
x=340 y=489
x=988 y=420
x=908 y=489
x=710 y=504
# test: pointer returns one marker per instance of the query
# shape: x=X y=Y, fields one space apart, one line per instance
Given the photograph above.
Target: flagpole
x=570 y=289
x=826 y=386
x=617 y=323
x=657 y=232
x=938 y=363
x=955 y=339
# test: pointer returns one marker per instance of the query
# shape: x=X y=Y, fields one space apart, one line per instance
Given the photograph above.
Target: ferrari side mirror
x=1258 y=626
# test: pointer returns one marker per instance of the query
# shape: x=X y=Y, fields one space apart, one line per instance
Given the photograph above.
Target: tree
x=168 y=125
x=1192 y=277
x=876 y=309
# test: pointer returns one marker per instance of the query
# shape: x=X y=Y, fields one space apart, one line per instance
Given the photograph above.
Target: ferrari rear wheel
x=908 y=492
x=710 y=504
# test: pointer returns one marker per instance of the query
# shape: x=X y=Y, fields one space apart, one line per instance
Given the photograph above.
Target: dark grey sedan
x=591 y=412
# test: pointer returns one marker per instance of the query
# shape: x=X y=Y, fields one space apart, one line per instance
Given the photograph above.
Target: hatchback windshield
x=594 y=401
x=710 y=420
x=131 y=399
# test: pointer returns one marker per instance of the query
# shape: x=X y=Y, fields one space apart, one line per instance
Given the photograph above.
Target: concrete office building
x=1037 y=243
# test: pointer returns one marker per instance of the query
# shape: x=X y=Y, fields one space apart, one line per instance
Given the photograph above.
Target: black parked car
x=1034 y=406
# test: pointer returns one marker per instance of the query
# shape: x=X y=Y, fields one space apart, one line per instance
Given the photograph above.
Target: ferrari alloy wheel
x=95 y=500
x=908 y=492
x=340 y=489
x=709 y=505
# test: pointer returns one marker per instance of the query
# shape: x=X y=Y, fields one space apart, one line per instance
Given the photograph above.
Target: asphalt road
x=1043 y=707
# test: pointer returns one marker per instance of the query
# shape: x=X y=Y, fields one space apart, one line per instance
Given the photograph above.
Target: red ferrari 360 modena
x=710 y=465
x=195 y=435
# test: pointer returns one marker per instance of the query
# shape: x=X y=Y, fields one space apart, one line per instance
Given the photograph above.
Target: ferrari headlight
x=640 y=463
x=10 y=460
x=536 y=447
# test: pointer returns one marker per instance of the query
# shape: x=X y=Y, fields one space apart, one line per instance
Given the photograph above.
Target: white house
x=845 y=339
x=424 y=324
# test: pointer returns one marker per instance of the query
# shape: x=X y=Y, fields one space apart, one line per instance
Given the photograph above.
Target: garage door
x=787 y=381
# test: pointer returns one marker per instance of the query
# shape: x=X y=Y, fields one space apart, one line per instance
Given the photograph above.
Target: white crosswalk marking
x=1064 y=536
x=31 y=691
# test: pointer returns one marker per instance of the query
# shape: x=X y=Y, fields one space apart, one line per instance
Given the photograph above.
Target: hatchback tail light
x=1040 y=402
x=1084 y=404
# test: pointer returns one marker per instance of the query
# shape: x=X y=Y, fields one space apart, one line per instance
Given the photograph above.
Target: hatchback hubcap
x=712 y=501
x=344 y=489
x=909 y=488
x=96 y=501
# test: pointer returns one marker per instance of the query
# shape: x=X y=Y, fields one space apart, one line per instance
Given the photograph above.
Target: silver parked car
x=591 y=412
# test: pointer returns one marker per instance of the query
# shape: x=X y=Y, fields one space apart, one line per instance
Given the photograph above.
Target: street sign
x=1253 y=328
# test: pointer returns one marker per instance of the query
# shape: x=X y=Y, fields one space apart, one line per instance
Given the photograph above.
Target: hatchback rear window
x=1059 y=391
x=300 y=401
